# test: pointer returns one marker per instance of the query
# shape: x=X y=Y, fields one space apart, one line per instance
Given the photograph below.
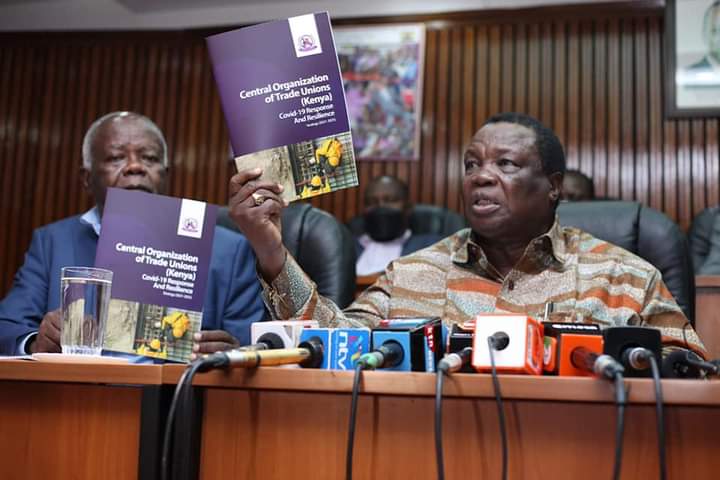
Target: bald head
x=92 y=131
x=124 y=150
x=387 y=191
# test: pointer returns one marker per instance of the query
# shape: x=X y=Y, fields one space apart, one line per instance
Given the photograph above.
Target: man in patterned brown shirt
x=514 y=258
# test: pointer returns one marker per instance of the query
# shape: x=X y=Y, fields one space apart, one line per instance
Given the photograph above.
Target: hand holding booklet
x=159 y=250
x=282 y=94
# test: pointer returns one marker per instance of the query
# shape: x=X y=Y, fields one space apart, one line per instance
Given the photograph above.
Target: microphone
x=632 y=347
x=460 y=337
x=419 y=338
x=266 y=341
x=561 y=338
x=516 y=339
x=637 y=358
x=344 y=346
x=287 y=330
x=388 y=355
x=600 y=365
x=453 y=362
x=308 y=354
x=499 y=340
x=686 y=364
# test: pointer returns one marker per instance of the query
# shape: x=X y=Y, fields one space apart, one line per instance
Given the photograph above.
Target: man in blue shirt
x=123 y=150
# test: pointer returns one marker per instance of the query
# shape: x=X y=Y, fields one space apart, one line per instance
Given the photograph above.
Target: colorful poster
x=158 y=249
x=282 y=95
x=382 y=71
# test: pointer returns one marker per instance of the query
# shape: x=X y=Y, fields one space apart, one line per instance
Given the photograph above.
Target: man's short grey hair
x=92 y=132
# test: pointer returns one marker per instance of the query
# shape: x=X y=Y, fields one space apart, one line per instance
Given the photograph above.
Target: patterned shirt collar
x=546 y=249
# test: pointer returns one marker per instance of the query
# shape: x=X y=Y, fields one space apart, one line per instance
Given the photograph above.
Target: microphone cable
x=498 y=399
x=620 y=402
x=389 y=354
x=183 y=385
x=449 y=364
x=660 y=416
x=353 y=417
x=439 y=460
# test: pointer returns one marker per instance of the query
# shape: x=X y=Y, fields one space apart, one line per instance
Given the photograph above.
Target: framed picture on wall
x=692 y=58
x=382 y=72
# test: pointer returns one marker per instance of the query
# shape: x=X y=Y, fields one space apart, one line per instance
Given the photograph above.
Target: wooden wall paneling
x=684 y=161
x=181 y=120
x=192 y=121
x=76 y=194
x=19 y=146
x=560 y=93
x=128 y=76
x=535 y=71
x=118 y=62
x=520 y=86
x=146 y=84
x=170 y=108
x=24 y=200
x=482 y=74
x=627 y=110
x=574 y=90
x=547 y=64
x=457 y=113
x=469 y=101
x=204 y=157
x=442 y=113
x=429 y=118
x=712 y=155
x=217 y=174
x=670 y=170
x=599 y=108
x=655 y=117
x=587 y=114
x=506 y=91
x=698 y=177
x=60 y=95
x=64 y=130
x=614 y=102
x=158 y=98
x=42 y=177
x=642 y=145
x=573 y=102
x=494 y=67
x=6 y=164
x=9 y=142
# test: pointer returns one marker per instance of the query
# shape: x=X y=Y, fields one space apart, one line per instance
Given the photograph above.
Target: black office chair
x=424 y=219
x=322 y=246
x=699 y=236
x=645 y=232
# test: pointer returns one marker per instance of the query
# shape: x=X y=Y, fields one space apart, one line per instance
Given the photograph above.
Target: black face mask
x=384 y=224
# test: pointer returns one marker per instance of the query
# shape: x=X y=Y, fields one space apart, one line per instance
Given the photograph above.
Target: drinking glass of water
x=84 y=297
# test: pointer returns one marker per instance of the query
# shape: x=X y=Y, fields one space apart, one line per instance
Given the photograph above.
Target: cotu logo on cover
x=190 y=225
x=306 y=43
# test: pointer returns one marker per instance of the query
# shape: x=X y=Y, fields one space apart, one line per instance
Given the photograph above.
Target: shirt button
x=511 y=285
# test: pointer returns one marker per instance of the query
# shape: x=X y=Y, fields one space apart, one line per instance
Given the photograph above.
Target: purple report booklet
x=158 y=249
x=282 y=94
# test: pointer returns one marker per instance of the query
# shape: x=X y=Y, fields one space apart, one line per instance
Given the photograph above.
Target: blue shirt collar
x=92 y=218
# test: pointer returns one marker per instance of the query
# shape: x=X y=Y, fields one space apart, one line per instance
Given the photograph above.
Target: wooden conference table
x=62 y=421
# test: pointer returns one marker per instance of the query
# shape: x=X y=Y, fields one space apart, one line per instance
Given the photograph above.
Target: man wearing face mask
x=387 y=226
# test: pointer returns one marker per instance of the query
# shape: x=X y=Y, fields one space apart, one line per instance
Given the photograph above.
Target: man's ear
x=85 y=179
x=556 y=181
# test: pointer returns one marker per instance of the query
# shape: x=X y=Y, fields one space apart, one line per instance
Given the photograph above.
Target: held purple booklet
x=158 y=249
x=282 y=94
